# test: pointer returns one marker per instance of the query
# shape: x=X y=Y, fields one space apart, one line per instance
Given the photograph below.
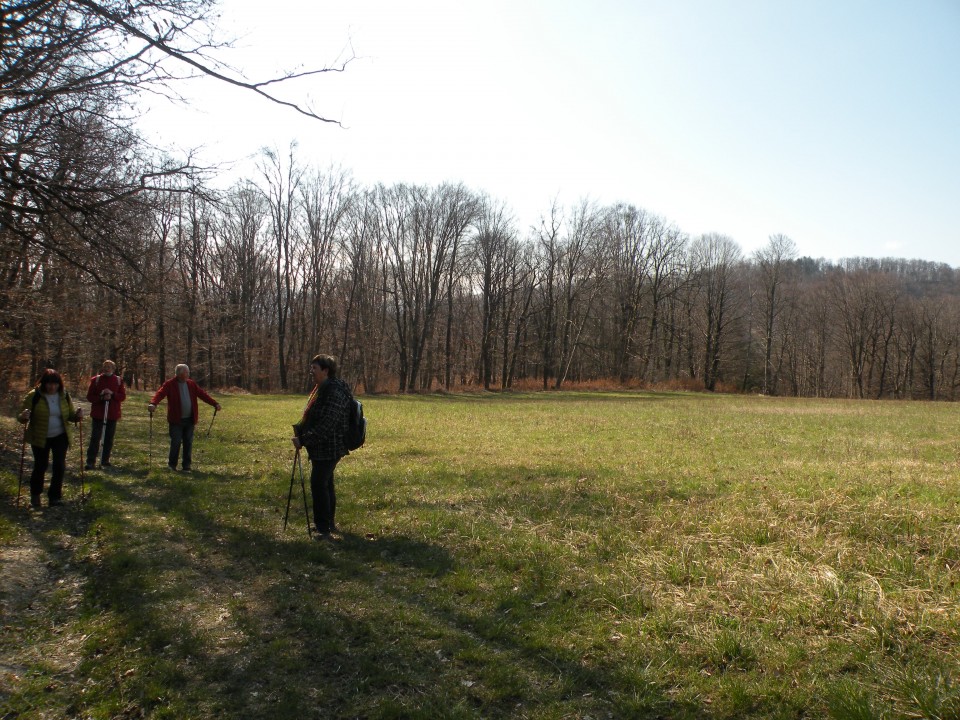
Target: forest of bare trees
x=107 y=251
x=420 y=288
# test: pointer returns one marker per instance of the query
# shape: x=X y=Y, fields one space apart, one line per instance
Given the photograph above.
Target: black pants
x=41 y=458
x=324 y=495
x=181 y=434
x=94 y=446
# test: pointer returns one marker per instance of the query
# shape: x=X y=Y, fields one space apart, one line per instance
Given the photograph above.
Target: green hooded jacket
x=40 y=416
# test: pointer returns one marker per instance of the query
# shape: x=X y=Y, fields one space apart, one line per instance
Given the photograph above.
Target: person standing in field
x=105 y=394
x=321 y=431
x=181 y=393
x=46 y=410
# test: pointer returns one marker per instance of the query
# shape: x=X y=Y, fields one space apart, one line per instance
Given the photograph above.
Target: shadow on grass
x=212 y=613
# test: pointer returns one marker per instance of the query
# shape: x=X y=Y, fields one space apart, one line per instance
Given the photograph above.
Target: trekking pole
x=23 y=454
x=80 y=448
x=103 y=435
x=293 y=474
x=303 y=489
x=211 y=423
x=150 y=461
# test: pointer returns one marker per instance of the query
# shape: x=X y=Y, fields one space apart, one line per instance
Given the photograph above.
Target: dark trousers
x=181 y=434
x=94 y=447
x=41 y=458
x=324 y=495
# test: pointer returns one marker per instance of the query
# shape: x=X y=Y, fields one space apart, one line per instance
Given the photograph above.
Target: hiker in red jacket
x=105 y=394
x=181 y=393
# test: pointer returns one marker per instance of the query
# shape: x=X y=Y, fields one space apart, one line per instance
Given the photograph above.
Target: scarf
x=310 y=401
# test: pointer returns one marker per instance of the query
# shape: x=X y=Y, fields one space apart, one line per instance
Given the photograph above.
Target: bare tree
x=549 y=252
x=365 y=321
x=490 y=255
x=772 y=262
x=282 y=178
x=715 y=259
x=853 y=296
x=667 y=270
x=69 y=70
x=626 y=238
x=244 y=274
x=326 y=200
x=423 y=228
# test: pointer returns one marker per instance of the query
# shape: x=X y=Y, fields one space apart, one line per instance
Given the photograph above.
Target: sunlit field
x=544 y=555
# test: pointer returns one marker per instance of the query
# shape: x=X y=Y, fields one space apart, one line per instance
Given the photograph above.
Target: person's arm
x=76 y=413
x=121 y=394
x=202 y=394
x=92 y=394
x=157 y=397
x=25 y=406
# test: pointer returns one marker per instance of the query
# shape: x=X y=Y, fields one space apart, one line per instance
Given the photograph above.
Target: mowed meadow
x=545 y=555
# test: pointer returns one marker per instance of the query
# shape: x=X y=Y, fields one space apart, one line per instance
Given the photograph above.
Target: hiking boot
x=88 y=466
x=35 y=501
x=55 y=503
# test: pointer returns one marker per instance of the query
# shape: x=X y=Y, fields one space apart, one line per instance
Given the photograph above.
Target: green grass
x=625 y=555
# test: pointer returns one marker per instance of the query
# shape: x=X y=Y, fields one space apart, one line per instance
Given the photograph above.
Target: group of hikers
x=320 y=430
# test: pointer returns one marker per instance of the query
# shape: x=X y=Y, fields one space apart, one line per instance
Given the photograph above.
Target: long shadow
x=296 y=653
x=355 y=559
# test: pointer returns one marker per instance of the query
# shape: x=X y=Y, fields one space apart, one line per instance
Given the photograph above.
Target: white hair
x=181 y=366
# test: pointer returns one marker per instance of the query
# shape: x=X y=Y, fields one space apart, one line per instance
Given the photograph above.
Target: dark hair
x=47 y=375
x=326 y=362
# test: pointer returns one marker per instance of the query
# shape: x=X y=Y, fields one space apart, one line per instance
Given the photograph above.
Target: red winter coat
x=99 y=383
x=171 y=392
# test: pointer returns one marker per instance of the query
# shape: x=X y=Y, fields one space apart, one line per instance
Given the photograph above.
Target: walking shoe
x=187 y=469
x=172 y=467
x=105 y=464
x=54 y=503
x=35 y=501
x=88 y=466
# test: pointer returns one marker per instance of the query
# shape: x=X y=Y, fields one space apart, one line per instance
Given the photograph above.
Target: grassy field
x=563 y=555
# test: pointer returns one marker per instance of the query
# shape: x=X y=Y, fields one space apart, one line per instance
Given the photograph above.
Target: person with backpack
x=182 y=413
x=47 y=410
x=105 y=394
x=321 y=431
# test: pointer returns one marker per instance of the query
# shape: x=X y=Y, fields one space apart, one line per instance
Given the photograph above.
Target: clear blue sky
x=835 y=122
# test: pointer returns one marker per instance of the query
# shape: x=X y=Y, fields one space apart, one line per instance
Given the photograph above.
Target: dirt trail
x=39 y=582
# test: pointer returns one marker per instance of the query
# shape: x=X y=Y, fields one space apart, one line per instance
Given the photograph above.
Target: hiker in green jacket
x=48 y=409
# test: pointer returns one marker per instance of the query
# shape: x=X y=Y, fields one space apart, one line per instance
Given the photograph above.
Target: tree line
x=110 y=248
x=419 y=288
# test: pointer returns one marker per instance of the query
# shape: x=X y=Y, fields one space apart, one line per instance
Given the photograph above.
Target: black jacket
x=321 y=431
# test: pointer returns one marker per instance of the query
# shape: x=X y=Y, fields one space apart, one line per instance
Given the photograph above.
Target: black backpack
x=356 y=433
